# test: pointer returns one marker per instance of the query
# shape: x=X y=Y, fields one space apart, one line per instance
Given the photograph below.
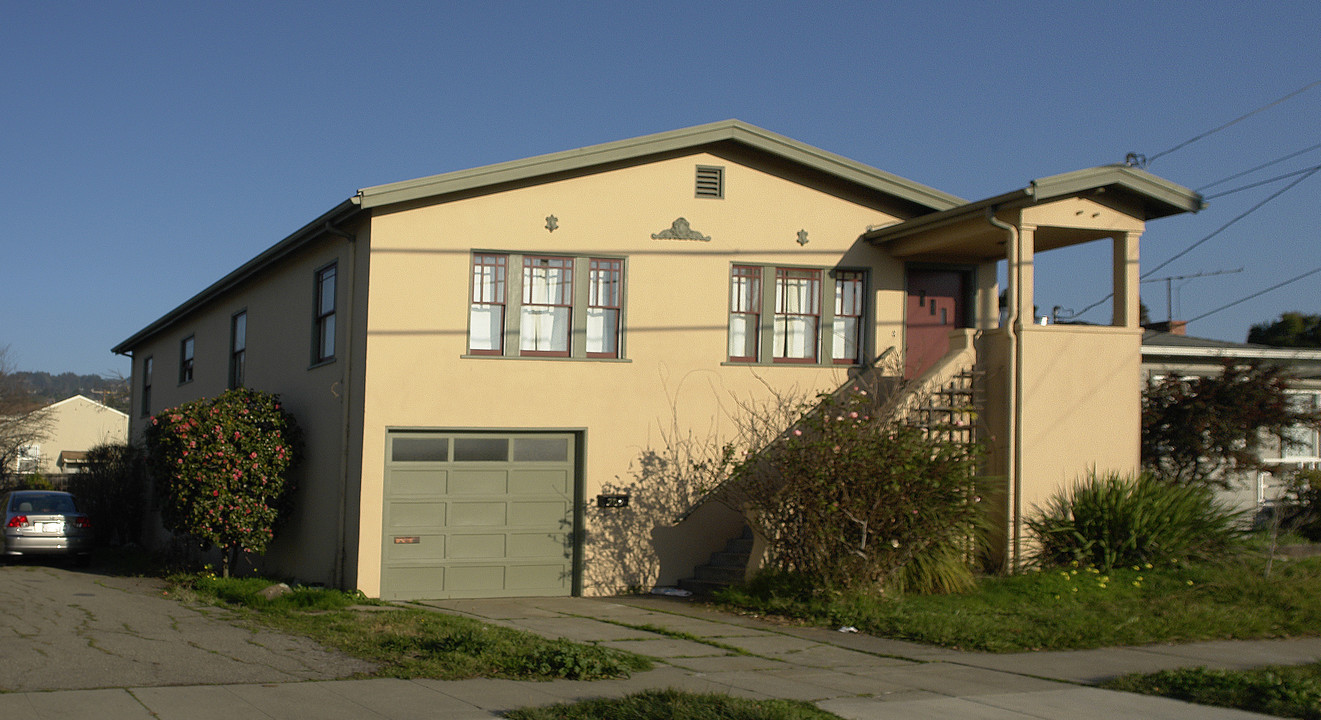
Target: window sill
x=321 y=363
x=830 y=364
x=551 y=358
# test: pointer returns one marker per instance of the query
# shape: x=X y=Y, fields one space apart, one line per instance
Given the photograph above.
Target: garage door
x=478 y=515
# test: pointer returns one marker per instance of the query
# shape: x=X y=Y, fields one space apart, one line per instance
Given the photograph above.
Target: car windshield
x=38 y=503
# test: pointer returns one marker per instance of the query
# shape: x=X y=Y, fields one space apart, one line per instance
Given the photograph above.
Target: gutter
x=346 y=383
x=1013 y=429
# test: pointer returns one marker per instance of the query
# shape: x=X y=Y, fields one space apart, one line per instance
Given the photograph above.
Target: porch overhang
x=963 y=232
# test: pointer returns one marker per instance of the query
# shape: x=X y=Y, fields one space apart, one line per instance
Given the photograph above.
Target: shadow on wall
x=659 y=536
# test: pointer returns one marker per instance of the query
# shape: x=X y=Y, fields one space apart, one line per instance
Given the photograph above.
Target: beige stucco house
x=71 y=427
x=476 y=356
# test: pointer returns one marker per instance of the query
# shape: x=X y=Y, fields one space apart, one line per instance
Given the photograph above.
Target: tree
x=222 y=465
x=24 y=421
x=1293 y=329
x=1193 y=429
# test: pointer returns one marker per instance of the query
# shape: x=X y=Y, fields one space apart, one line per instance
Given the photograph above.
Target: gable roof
x=640 y=148
x=491 y=177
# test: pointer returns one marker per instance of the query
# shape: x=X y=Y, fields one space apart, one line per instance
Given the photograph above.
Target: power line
x=1242 y=215
x=1143 y=161
x=1259 y=167
x=1259 y=183
x=1277 y=286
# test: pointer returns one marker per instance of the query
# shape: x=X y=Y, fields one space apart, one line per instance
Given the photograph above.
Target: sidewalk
x=852 y=675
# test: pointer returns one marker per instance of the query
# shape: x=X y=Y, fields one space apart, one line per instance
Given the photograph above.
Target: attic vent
x=710 y=182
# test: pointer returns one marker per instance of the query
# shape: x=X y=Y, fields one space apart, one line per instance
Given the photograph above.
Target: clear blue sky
x=151 y=147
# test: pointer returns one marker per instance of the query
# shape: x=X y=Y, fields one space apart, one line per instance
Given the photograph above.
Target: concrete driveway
x=65 y=629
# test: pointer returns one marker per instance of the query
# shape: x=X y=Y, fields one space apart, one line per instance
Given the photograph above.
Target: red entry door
x=935 y=307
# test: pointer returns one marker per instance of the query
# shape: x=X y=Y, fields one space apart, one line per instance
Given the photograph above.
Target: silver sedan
x=45 y=522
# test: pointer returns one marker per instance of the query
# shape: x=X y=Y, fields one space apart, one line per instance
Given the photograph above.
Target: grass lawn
x=1282 y=691
x=675 y=705
x=410 y=642
x=1079 y=607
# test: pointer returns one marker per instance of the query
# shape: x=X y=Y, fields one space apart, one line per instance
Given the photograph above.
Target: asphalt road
x=64 y=628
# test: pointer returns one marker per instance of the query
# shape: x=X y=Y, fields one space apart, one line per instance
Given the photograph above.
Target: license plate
x=50 y=527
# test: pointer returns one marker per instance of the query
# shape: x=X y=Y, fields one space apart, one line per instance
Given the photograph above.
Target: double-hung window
x=605 y=281
x=146 y=385
x=186 y=348
x=800 y=318
x=557 y=306
x=323 y=323
x=744 y=313
x=486 y=313
x=547 y=312
x=238 y=349
x=797 y=314
x=846 y=335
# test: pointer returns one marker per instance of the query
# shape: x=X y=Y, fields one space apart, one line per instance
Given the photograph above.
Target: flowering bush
x=848 y=496
x=221 y=465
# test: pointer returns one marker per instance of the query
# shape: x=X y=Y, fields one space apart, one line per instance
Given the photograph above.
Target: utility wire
x=1259 y=183
x=1277 y=286
x=1259 y=167
x=1238 y=119
x=1310 y=172
x=1242 y=215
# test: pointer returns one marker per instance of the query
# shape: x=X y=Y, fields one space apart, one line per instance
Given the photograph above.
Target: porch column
x=1127 y=280
x=1022 y=273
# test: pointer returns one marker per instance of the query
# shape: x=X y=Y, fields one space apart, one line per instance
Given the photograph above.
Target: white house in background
x=1174 y=353
x=76 y=426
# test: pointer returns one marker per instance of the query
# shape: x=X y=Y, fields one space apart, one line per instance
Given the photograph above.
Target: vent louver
x=710 y=182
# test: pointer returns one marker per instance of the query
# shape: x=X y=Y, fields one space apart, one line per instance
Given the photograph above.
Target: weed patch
x=1282 y=691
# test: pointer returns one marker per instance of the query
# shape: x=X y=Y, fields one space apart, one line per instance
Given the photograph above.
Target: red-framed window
x=846 y=335
x=744 y=313
x=605 y=285
x=797 y=315
x=547 y=310
x=486 y=315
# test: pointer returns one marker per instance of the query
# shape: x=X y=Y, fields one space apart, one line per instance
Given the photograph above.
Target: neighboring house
x=73 y=427
x=1167 y=351
x=475 y=356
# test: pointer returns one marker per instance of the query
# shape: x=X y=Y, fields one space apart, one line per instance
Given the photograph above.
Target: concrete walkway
x=702 y=650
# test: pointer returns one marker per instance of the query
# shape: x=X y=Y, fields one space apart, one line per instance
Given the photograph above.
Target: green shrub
x=1112 y=520
x=113 y=490
x=848 y=497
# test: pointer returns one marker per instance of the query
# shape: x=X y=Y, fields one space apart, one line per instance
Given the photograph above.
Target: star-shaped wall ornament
x=552 y=222
x=802 y=237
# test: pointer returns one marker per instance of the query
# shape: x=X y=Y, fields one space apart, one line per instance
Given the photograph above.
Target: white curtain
x=544 y=329
x=485 y=326
x=845 y=332
x=602 y=336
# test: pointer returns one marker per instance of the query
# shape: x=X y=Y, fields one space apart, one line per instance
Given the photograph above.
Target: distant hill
x=53 y=388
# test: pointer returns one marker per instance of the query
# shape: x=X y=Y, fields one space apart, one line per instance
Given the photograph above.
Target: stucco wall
x=279 y=306
x=673 y=371
x=79 y=424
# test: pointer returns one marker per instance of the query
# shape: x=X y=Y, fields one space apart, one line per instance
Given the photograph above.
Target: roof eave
x=340 y=213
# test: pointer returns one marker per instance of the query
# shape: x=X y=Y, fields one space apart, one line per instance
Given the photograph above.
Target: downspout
x=1013 y=431
x=346 y=383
